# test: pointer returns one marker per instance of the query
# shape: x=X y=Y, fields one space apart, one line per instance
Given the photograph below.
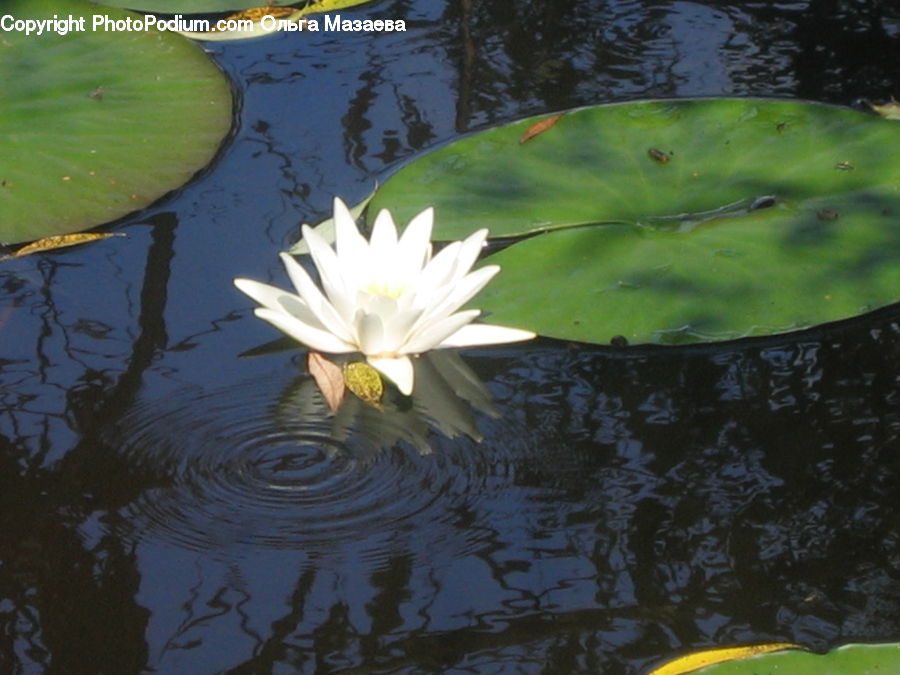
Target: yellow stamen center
x=390 y=289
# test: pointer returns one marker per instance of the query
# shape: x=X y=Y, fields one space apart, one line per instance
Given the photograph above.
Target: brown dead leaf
x=60 y=241
x=329 y=377
x=539 y=128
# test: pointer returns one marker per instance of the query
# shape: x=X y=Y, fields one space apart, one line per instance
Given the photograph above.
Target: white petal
x=294 y=306
x=414 y=247
x=398 y=327
x=322 y=254
x=469 y=286
x=469 y=251
x=375 y=303
x=315 y=338
x=339 y=299
x=399 y=370
x=279 y=301
x=463 y=291
x=383 y=242
x=318 y=303
x=407 y=302
x=264 y=294
x=485 y=334
x=352 y=248
x=433 y=334
x=339 y=287
x=433 y=298
x=300 y=278
x=453 y=262
x=439 y=270
x=369 y=333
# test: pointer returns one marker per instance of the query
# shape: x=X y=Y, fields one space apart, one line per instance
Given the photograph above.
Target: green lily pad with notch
x=674 y=221
x=853 y=659
x=98 y=124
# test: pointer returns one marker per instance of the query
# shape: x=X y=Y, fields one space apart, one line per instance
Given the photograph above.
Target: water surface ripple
x=263 y=464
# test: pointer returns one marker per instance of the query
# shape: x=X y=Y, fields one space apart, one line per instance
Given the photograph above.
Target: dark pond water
x=166 y=506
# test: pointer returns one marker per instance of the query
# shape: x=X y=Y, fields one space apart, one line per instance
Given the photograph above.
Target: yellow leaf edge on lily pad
x=695 y=661
x=59 y=241
x=790 y=659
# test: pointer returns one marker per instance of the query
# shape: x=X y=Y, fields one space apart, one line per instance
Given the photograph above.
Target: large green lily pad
x=698 y=220
x=97 y=124
x=855 y=659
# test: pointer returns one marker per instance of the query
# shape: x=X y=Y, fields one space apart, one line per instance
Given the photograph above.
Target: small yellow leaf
x=247 y=24
x=364 y=381
x=60 y=241
x=539 y=127
x=283 y=17
x=889 y=110
x=328 y=376
x=257 y=13
x=708 y=657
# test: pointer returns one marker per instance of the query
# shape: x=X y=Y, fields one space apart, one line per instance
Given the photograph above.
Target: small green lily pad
x=97 y=124
x=674 y=221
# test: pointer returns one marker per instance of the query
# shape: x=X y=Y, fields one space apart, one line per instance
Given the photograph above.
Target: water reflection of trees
x=537 y=54
x=52 y=572
x=836 y=42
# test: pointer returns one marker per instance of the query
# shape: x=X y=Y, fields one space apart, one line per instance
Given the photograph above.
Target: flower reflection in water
x=266 y=463
x=446 y=395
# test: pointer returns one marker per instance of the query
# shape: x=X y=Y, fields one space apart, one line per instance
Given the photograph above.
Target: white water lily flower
x=386 y=298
